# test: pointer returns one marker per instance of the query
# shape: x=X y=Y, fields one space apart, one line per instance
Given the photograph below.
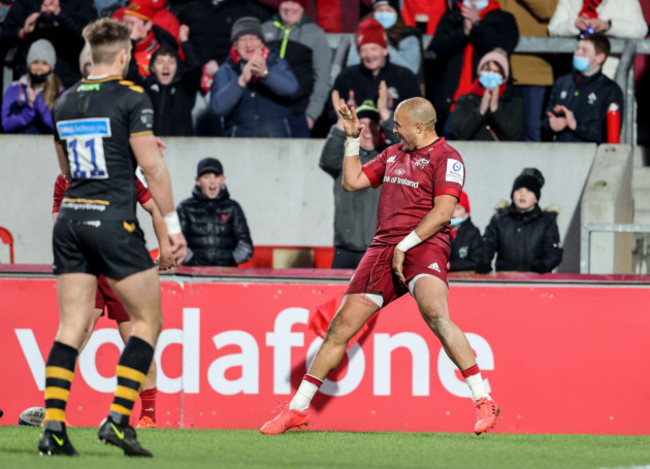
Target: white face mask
x=457 y=221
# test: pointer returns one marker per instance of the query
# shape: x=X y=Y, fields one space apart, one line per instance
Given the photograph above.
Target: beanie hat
x=42 y=50
x=499 y=56
x=368 y=109
x=246 y=25
x=530 y=178
x=387 y=3
x=464 y=201
x=370 y=32
x=303 y=3
x=143 y=9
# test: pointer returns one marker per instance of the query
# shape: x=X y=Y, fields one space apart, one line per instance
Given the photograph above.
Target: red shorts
x=375 y=274
x=106 y=297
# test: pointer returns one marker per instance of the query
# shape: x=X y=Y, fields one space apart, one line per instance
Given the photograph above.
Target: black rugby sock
x=131 y=371
x=59 y=372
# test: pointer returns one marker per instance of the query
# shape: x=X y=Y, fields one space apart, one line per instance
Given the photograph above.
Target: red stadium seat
x=7 y=238
x=283 y=257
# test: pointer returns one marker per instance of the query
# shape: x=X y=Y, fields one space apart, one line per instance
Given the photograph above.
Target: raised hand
x=351 y=123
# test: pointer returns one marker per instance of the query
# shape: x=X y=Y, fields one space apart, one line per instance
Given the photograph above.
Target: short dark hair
x=106 y=38
x=600 y=42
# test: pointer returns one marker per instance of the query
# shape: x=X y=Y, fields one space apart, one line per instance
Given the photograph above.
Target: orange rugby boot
x=286 y=419
x=487 y=412
x=146 y=422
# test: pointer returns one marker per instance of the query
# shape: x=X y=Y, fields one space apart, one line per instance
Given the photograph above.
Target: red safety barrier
x=559 y=358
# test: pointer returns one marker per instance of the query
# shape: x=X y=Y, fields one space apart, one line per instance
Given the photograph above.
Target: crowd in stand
x=263 y=68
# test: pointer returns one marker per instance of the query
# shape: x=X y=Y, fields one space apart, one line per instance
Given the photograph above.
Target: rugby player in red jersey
x=421 y=178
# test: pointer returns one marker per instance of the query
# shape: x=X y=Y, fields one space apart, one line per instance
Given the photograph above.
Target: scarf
x=234 y=55
x=478 y=90
x=589 y=8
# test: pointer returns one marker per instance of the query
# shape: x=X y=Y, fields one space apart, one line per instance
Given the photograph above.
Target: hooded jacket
x=523 y=242
x=173 y=103
x=216 y=230
x=304 y=46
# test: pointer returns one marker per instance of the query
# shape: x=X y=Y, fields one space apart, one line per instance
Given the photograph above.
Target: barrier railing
x=588 y=228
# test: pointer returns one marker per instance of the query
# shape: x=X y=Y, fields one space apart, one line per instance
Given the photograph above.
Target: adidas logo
x=435 y=267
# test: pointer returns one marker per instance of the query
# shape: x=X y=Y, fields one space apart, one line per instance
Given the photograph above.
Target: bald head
x=419 y=111
x=415 y=123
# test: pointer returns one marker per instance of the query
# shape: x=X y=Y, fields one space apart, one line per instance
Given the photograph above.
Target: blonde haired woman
x=28 y=102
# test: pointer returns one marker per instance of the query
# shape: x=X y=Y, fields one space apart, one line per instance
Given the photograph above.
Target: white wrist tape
x=172 y=223
x=352 y=146
x=410 y=241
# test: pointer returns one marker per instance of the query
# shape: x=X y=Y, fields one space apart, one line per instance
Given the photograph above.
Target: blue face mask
x=490 y=80
x=456 y=221
x=479 y=4
x=386 y=18
x=581 y=64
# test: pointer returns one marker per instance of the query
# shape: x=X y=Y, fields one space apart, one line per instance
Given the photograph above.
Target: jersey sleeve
x=143 y=193
x=376 y=168
x=141 y=115
x=449 y=175
x=60 y=186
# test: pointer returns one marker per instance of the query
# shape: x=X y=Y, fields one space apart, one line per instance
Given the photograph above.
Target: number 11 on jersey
x=84 y=141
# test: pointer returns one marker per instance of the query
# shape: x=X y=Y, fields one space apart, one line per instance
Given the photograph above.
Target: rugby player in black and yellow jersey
x=102 y=132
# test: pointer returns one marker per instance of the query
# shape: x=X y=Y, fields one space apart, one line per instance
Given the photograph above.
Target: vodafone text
x=285 y=346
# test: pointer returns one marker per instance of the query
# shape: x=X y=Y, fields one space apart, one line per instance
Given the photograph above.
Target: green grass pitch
x=188 y=449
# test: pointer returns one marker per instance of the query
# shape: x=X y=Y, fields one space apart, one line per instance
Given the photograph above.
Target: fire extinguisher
x=613 y=124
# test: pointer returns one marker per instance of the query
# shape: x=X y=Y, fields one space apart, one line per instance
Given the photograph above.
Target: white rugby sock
x=305 y=393
x=477 y=387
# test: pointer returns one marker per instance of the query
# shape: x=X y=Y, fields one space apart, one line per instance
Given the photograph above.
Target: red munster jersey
x=62 y=183
x=411 y=180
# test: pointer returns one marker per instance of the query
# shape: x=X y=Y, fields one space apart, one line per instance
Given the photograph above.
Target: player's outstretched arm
x=147 y=153
x=437 y=218
x=354 y=179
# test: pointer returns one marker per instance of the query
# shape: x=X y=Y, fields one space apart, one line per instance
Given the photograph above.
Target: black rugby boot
x=122 y=436
x=54 y=443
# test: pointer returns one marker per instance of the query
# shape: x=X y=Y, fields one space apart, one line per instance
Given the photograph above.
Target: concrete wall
x=286 y=197
x=608 y=199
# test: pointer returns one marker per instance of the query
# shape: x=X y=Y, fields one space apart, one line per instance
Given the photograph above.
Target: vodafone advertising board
x=558 y=359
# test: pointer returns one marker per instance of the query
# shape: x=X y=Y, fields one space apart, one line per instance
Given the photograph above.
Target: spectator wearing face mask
x=28 y=102
x=577 y=108
x=465 y=238
x=467 y=32
x=404 y=42
x=489 y=111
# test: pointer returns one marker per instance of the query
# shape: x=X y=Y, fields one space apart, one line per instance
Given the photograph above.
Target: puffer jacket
x=216 y=230
x=523 y=242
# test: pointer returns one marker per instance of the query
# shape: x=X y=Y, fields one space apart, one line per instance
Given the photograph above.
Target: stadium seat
x=7 y=238
x=286 y=257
